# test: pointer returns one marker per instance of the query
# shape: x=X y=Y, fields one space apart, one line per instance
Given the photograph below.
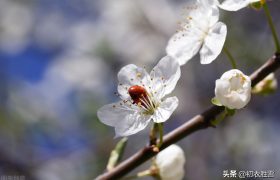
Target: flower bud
x=233 y=89
x=170 y=163
x=267 y=86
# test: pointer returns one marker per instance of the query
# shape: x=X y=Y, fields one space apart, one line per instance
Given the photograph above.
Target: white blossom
x=142 y=97
x=233 y=89
x=200 y=31
x=170 y=163
x=235 y=5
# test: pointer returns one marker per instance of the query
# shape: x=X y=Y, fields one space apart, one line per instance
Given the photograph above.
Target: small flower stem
x=160 y=128
x=153 y=132
x=220 y=118
x=271 y=25
x=144 y=173
x=227 y=112
x=230 y=58
x=138 y=175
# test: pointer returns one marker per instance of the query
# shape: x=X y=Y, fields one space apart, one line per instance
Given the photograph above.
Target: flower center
x=139 y=95
x=237 y=82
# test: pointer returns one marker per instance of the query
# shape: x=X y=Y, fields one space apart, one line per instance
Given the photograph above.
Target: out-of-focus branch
x=198 y=122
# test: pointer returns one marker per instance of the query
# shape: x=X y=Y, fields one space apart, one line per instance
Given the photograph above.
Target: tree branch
x=198 y=122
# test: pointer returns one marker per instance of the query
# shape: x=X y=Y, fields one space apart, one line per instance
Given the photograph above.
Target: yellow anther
x=138 y=75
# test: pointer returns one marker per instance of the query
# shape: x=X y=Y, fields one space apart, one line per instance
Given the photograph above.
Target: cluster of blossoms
x=143 y=95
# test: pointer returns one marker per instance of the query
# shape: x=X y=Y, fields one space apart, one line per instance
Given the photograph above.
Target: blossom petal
x=213 y=43
x=221 y=87
x=131 y=75
x=183 y=47
x=208 y=11
x=132 y=125
x=165 y=75
x=237 y=100
x=204 y=13
x=235 y=5
x=165 y=110
x=126 y=121
x=112 y=114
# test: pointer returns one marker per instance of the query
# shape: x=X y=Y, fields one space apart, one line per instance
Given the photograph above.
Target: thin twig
x=198 y=122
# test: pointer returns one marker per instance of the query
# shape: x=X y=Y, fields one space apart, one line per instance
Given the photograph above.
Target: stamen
x=189 y=25
x=138 y=75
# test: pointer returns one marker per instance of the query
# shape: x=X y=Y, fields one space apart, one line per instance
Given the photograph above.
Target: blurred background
x=59 y=62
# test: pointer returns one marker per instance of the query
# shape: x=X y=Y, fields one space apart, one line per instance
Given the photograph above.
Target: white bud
x=233 y=89
x=267 y=86
x=170 y=163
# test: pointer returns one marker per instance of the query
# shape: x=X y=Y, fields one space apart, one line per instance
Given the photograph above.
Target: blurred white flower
x=233 y=89
x=267 y=86
x=73 y=163
x=49 y=98
x=16 y=20
x=79 y=71
x=142 y=97
x=235 y=5
x=135 y=25
x=170 y=163
x=56 y=30
x=200 y=31
x=84 y=37
x=52 y=31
